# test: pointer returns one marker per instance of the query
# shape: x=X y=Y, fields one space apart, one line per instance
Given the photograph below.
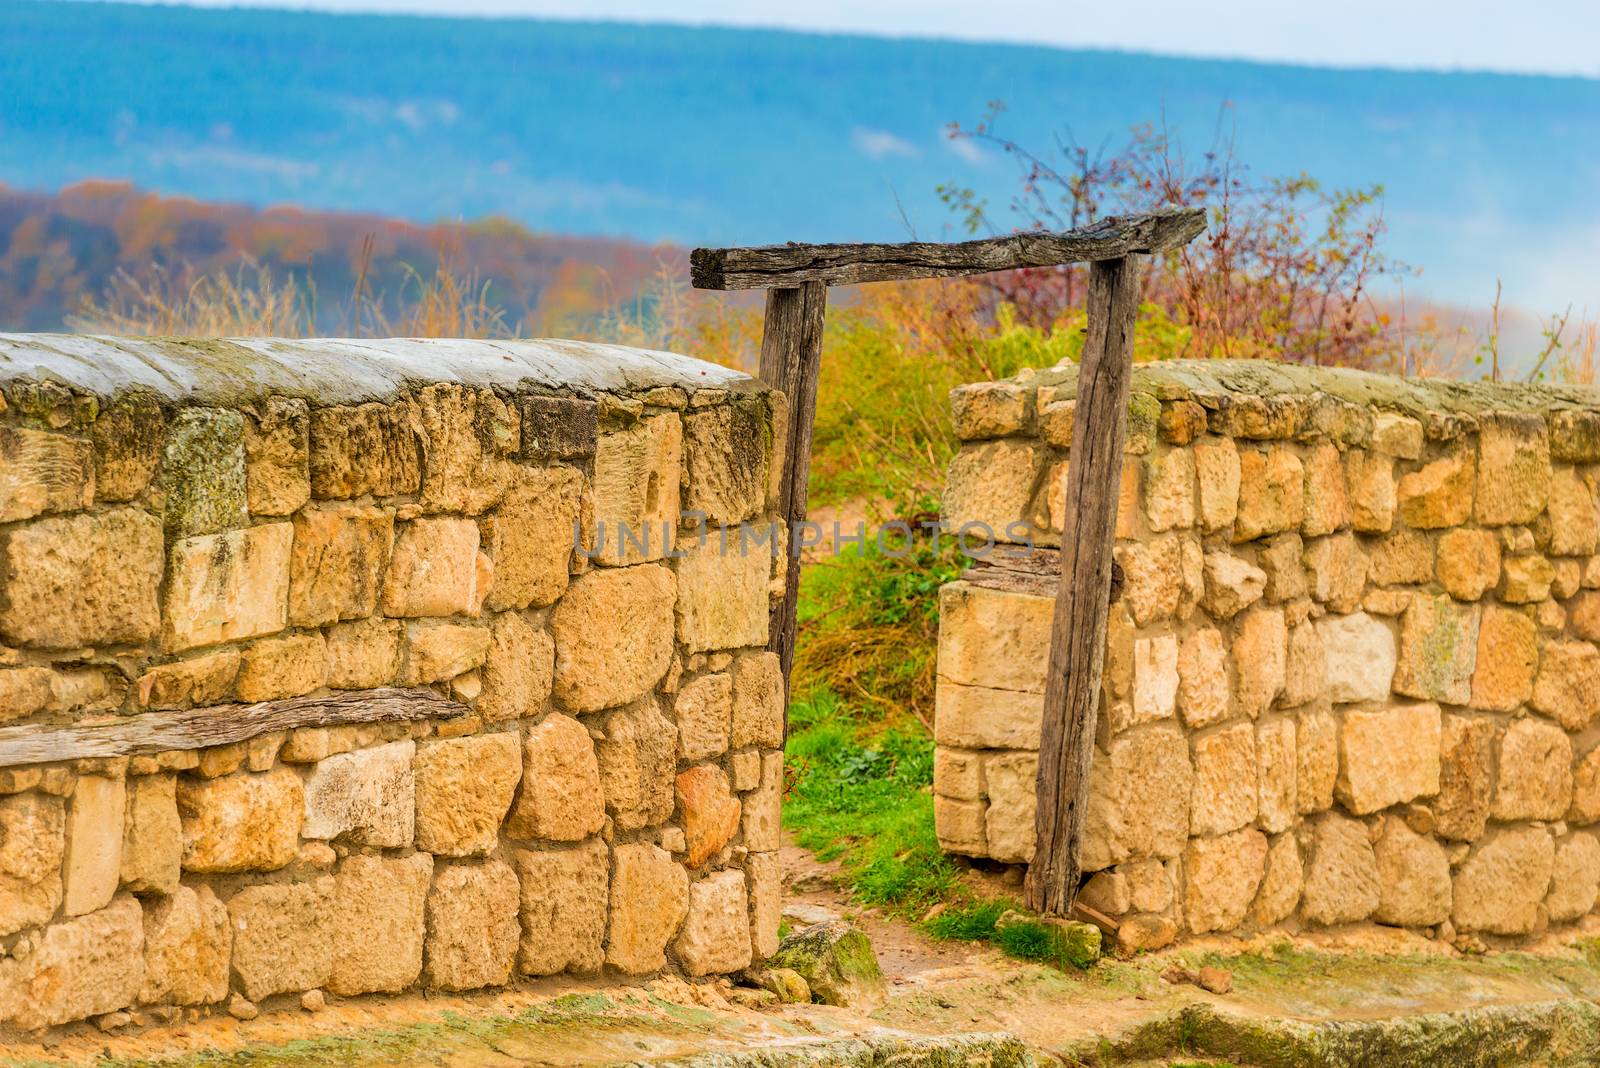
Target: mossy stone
x=203 y=472
x=837 y=962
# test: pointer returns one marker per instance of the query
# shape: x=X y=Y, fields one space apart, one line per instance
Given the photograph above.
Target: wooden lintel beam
x=201 y=728
x=836 y=265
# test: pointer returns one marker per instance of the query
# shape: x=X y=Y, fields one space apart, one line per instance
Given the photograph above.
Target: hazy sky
x=1535 y=36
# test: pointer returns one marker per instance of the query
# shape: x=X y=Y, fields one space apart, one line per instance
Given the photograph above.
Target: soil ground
x=936 y=988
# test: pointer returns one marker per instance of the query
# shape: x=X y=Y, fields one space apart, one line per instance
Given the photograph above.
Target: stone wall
x=198 y=523
x=1352 y=675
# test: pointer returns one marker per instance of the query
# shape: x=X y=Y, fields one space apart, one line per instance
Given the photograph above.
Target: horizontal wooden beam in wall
x=201 y=728
x=770 y=266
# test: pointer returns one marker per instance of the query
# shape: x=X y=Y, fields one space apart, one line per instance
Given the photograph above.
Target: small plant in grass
x=1024 y=939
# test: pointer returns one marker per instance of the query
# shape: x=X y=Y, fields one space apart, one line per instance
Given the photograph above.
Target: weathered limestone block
x=722 y=595
x=1439 y=495
x=1221 y=876
x=1280 y=885
x=1468 y=563
x=1372 y=491
x=464 y=788
x=1338 y=570
x=1360 y=657
x=637 y=758
x=1280 y=559
x=472 y=926
x=242 y=822
x=24 y=691
x=764 y=876
x=32 y=845
x=649 y=899
x=559 y=428
x=1584 y=615
x=1388 y=755
x=275 y=668
x=1155 y=678
x=42 y=472
x=1413 y=877
x=224 y=587
x=1574 y=525
x=202 y=680
x=1503 y=882
x=1438 y=650
x=989 y=410
x=1231 y=585
x=716 y=932
x=1574 y=436
x=128 y=438
x=434 y=570
x=1466 y=779
x=340 y=555
x=637 y=471
x=991 y=485
x=763 y=805
x=366 y=797
x=202 y=472
x=518 y=670
x=378 y=923
x=758 y=713
x=703 y=711
x=1327 y=504
x=467 y=438
x=1169 y=490
x=1224 y=792
x=188 y=944
x=79 y=968
x=957 y=773
x=1513 y=467
x=277 y=448
x=725 y=454
x=1342 y=883
x=93 y=865
x=564 y=895
x=1508 y=653
x=1204 y=694
x=283 y=936
x=1218 y=474
x=613 y=636
x=1152 y=578
x=1306 y=666
x=1275 y=775
x=1567 y=688
x=1056 y=418
x=1012 y=782
x=1396 y=435
x=363 y=655
x=437 y=650
x=1535 y=781
x=1528 y=579
x=561 y=796
x=1586 y=789
x=80 y=580
x=1271 y=493
x=1260 y=649
x=1181 y=421
x=1139 y=798
x=364 y=449
x=152 y=840
x=1574 y=878
x=1106 y=892
x=530 y=537
x=993 y=638
x=1403 y=558
x=708 y=810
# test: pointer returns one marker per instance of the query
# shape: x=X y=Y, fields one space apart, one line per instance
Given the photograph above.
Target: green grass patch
x=1028 y=939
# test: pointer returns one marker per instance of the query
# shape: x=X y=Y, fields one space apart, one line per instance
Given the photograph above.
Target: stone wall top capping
x=233 y=371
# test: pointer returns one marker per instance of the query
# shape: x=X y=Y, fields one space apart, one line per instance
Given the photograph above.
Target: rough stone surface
x=1169 y=490
x=364 y=655
x=1275 y=774
x=1217 y=472
x=561 y=796
x=1567 y=688
x=277 y=448
x=1338 y=572
x=1260 y=647
x=1403 y=557
x=563 y=902
x=1360 y=654
x=1011 y=779
x=716 y=932
x=530 y=537
x=1574 y=878
x=433 y=570
x=649 y=899
x=1373 y=498
x=1503 y=882
x=1327 y=502
x=82 y=580
x=1535 y=781
x=637 y=758
x=241 y=822
x=722 y=595
x=1204 y=694
x=1232 y=584
x=1513 y=467
x=991 y=484
x=282 y=936
x=758 y=689
x=467 y=436
x=1271 y=494
x=437 y=650
x=1342 y=883
x=636 y=489
x=837 y=963
x=188 y=944
x=1138 y=798
x=613 y=636
x=1388 y=755
x=128 y=438
x=1507 y=656
x=229 y=586
x=518 y=670
x=1221 y=876
x=1586 y=789
x=1574 y=524
x=1466 y=782
x=378 y=923
x=32 y=844
x=1155 y=678
x=472 y=926
x=708 y=810
x=203 y=472
x=152 y=842
x=338 y=561
x=703 y=711
x=366 y=797
x=287 y=666
x=1413 y=877
x=93 y=865
x=1468 y=563
x=363 y=449
x=1438 y=650
x=1439 y=495
x=464 y=788
x=764 y=877
x=1305 y=675
x=725 y=454
x=992 y=639
x=1224 y=793
x=202 y=680
x=1280 y=885
x=79 y=968
x=762 y=806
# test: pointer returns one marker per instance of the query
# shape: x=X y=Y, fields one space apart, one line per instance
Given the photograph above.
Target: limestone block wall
x=210 y=523
x=1352 y=675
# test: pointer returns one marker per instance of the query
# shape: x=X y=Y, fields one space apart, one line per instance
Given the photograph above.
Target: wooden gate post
x=1078 y=634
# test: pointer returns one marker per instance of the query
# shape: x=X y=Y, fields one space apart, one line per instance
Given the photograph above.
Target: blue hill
x=717 y=136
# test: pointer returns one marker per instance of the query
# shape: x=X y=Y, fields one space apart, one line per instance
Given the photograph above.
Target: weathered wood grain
x=791 y=359
x=158 y=732
x=848 y=264
x=1078 y=636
